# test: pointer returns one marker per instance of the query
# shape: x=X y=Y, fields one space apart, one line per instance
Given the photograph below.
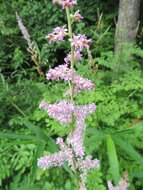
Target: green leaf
x=39 y=150
x=10 y=135
x=137 y=174
x=128 y=149
x=98 y=134
x=136 y=127
x=113 y=159
x=93 y=139
x=36 y=130
x=41 y=136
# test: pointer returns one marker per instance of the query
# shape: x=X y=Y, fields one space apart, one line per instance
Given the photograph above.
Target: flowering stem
x=72 y=68
x=72 y=52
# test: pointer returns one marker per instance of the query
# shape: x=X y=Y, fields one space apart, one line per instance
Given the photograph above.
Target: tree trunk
x=126 y=29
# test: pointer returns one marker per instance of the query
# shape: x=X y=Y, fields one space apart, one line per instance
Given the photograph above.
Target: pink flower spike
x=77 y=16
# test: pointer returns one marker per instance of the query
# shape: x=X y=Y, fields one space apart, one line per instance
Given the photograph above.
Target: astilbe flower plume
x=67 y=112
x=74 y=148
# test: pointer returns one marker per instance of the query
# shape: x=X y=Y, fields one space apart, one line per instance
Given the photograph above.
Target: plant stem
x=18 y=109
x=90 y=59
x=72 y=80
x=72 y=52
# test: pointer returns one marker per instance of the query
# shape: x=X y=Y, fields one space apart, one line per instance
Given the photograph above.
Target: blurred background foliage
x=115 y=130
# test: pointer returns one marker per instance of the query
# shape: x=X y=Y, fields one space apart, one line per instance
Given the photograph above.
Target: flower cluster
x=64 y=110
x=77 y=57
x=67 y=155
x=67 y=74
x=80 y=41
x=58 y=158
x=58 y=34
x=123 y=184
x=61 y=111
